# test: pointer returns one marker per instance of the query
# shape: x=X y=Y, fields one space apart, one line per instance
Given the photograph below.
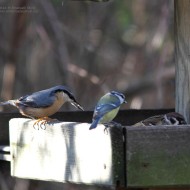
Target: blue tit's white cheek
x=120 y=99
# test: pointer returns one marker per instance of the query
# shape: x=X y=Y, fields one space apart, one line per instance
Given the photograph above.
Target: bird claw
x=41 y=123
x=111 y=124
x=106 y=130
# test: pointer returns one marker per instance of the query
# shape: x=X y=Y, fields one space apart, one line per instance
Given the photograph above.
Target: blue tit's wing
x=102 y=109
x=39 y=99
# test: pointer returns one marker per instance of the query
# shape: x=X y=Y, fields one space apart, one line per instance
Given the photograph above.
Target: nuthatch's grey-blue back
x=107 y=108
x=43 y=103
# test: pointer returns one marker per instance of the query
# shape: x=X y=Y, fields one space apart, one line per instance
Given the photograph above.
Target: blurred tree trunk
x=18 y=29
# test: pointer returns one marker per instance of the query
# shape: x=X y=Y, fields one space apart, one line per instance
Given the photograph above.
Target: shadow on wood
x=67 y=152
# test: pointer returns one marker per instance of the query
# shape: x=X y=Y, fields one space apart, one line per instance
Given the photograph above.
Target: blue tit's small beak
x=77 y=105
x=125 y=102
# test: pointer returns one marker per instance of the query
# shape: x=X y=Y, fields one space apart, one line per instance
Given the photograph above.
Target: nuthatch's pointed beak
x=77 y=105
x=125 y=102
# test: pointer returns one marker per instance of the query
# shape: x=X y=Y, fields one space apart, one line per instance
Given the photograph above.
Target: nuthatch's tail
x=9 y=102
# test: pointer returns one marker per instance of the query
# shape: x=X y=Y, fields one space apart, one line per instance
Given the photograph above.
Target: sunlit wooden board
x=67 y=152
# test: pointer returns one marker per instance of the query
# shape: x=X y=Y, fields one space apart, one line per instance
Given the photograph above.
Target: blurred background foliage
x=92 y=47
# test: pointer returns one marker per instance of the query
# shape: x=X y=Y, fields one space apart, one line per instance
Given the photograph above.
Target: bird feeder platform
x=140 y=157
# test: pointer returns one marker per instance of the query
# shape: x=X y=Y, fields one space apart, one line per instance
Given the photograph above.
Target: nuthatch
x=172 y=118
x=107 y=108
x=42 y=104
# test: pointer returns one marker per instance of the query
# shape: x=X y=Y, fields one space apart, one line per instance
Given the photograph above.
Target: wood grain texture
x=67 y=152
x=158 y=156
x=126 y=117
x=182 y=57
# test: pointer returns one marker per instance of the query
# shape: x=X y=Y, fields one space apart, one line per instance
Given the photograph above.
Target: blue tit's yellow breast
x=109 y=116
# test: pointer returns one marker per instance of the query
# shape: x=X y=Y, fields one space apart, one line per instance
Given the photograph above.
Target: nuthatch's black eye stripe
x=66 y=91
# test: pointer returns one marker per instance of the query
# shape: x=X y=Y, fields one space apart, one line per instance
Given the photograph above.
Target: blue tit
x=107 y=108
x=42 y=104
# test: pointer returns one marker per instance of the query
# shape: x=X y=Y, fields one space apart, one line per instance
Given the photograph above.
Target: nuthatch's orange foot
x=38 y=123
x=41 y=123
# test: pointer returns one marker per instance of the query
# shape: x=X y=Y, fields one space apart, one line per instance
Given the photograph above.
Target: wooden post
x=182 y=57
x=157 y=156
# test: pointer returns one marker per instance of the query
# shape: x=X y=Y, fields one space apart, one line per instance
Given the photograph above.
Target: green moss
x=160 y=169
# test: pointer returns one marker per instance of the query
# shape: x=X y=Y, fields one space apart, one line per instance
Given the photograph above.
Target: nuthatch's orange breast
x=46 y=111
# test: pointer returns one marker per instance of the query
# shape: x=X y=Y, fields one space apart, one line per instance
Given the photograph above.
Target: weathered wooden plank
x=5 y=153
x=182 y=55
x=158 y=156
x=67 y=151
x=126 y=117
x=5 y=157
